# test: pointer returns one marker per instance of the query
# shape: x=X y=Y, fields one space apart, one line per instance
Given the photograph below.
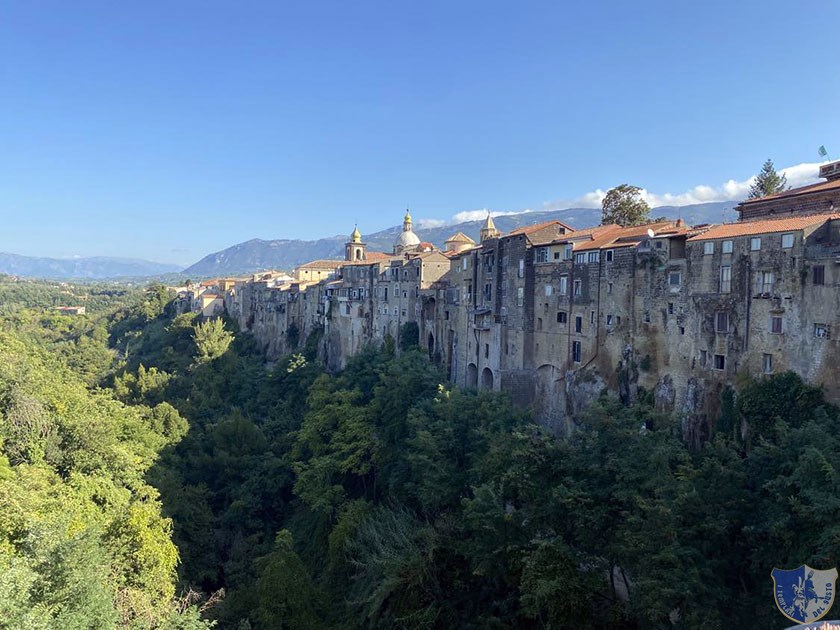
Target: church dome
x=356 y=236
x=407 y=240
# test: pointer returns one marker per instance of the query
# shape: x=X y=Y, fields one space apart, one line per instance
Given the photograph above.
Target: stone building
x=553 y=315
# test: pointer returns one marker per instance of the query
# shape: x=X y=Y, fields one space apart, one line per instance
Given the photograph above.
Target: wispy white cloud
x=431 y=223
x=732 y=190
x=478 y=215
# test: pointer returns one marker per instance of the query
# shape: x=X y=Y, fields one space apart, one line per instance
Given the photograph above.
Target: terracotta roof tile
x=530 y=229
x=793 y=192
x=765 y=226
x=629 y=236
x=322 y=264
x=586 y=234
x=460 y=237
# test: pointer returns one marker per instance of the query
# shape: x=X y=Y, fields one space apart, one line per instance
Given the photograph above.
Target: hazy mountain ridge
x=258 y=254
x=92 y=268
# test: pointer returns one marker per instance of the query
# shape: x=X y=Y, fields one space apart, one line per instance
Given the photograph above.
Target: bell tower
x=354 y=249
x=489 y=230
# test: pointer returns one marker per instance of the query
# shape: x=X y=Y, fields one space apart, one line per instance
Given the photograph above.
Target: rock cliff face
x=554 y=317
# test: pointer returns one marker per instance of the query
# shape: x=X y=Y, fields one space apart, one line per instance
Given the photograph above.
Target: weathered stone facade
x=553 y=316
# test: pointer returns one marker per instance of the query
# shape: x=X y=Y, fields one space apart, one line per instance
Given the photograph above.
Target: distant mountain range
x=95 y=268
x=258 y=255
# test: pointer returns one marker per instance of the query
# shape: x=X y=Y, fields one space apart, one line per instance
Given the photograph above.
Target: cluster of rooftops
x=758 y=216
x=789 y=211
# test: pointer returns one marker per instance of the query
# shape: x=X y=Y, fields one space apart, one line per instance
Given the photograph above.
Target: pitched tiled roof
x=794 y=192
x=459 y=237
x=586 y=234
x=375 y=256
x=629 y=236
x=453 y=254
x=765 y=226
x=322 y=264
x=529 y=229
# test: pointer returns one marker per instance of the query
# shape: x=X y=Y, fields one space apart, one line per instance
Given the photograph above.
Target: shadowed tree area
x=381 y=496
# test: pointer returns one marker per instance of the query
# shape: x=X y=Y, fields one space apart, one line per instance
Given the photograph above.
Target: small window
x=562 y=317
x=542 y=255
x=580 y=258
x=591 y=317
x=556 y=256
x=722 y=322
x=647 y=317
x=486 y=350
x=787 y=241
x=755 y=244
x=609 y=255
x=578 y=287
x=709 y=247
x=618 y=320
x=674 y=279
x=576 y=353
x=764 y=282
x=670 y=308
x=682 y=330
x=767 y=360
x=821 y=331
x=725 y=278
x=521 y=268
x=726 y=247
x=539 y=323
x=549 y=290
x=564 y=284
x=520 y=296
x=594 y=256
x=819 y=274
x=609 y=287
x=776 y=324
x=578 y=323
x=703 y=358
x=609 y=320
x=720 y=362
x=658 y=244
x=567 y=252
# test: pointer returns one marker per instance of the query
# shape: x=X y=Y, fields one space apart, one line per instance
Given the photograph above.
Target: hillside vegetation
x=155 y=473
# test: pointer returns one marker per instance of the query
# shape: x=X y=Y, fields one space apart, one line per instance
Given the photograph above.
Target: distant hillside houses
x=71 y=310
x=553 y=315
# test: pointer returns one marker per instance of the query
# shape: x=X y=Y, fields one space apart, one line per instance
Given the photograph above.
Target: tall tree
x=768 y=182
x=624 y=205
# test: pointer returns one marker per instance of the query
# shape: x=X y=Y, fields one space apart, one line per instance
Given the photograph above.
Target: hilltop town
x=553 y=315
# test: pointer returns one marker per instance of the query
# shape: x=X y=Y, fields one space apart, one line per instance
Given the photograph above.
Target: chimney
x=830 y=171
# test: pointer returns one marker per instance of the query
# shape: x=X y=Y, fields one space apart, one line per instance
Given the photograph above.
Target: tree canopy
x=768 y=182
x=151 y=490
x=625 y=206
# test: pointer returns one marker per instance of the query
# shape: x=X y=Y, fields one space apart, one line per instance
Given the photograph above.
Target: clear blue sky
x=167 y=130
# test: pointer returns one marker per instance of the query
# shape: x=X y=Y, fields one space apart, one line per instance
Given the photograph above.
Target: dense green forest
x=156 y=473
